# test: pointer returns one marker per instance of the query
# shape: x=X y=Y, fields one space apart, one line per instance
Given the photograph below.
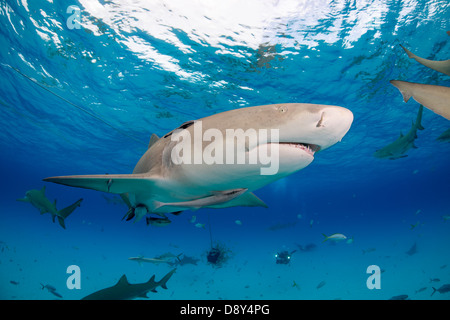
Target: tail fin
x=164 y=280
x=326 y=237
x=418 y=123
x=64 y=213
x=434 y=290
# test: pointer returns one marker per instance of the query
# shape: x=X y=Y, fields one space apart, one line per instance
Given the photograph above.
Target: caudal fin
x=164 y=280
x=64 y=213
x=434 y=290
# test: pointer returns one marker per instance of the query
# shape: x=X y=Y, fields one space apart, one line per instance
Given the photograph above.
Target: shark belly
x=204 y=179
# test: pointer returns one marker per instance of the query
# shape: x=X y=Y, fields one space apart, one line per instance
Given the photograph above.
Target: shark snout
x=334 y=123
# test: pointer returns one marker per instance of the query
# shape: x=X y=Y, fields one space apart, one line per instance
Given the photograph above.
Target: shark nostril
x=319 y=124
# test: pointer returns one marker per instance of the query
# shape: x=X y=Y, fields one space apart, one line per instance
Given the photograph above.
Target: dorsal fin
x=153 y=140
x=122 y=281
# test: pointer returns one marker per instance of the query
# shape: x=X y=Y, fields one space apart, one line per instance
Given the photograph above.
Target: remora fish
x=38 y=200
x=399 y=147
x=123 y=290
x=303 y=129
x=158 y=222
x=435 y=98
x=218 y=197
x=150 y=260
x=51 y=289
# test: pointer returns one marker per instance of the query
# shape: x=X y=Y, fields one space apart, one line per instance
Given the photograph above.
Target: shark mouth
x=307 y=147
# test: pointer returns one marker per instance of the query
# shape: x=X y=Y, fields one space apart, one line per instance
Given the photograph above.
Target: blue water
x=131 y=70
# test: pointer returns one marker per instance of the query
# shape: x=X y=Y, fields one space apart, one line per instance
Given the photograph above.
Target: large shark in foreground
x=398 y=148
x=123 y=290
x=162 y=183
x=38 y=200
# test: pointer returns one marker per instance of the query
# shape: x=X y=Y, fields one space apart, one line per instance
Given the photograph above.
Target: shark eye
x=183 y=126
x=282 y=109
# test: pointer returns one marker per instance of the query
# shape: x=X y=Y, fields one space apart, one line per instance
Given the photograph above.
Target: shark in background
x=444 y=137
x=440 y=66
x=38 y=200
x=164 y=258
x=159 y=185
x=123 y=290
x=434 y=97
x=399 y=147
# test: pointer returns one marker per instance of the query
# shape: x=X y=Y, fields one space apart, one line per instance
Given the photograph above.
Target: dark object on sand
x=306 y=248
x=400 y=297
x=183 y=261
x=413 y=250
x=218 y=255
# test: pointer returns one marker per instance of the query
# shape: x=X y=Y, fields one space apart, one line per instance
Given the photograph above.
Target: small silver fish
x=321 y=284
x=334 y=237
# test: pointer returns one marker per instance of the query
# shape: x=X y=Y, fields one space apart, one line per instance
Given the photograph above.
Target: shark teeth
x=308 y=148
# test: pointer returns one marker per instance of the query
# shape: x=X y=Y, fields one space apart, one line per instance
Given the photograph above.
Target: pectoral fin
x=112 y=183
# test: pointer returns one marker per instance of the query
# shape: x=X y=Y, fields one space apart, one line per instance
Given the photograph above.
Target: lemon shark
x=440 y=66
x=123 y=290
x=398 y=148
x=168 y=178
x=436 y=98
x=38 y=200
x=444 y=137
